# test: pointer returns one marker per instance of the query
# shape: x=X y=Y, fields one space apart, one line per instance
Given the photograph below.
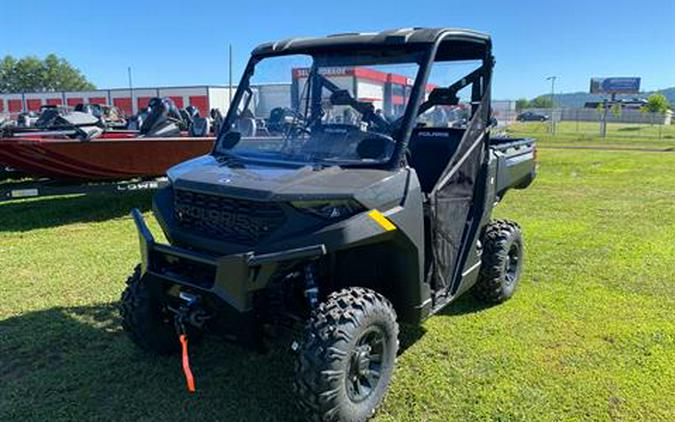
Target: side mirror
x=230 y=139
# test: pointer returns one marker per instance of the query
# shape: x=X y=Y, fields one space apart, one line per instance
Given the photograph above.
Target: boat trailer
x=10 y=191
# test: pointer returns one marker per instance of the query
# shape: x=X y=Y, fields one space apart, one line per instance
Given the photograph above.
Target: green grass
x=589 y=335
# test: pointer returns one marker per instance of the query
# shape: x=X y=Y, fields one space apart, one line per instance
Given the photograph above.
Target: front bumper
x=231 y=278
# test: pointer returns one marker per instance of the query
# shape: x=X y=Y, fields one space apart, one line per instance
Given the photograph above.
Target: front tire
x=147 y=323
x=502 y=262
x=347 y=356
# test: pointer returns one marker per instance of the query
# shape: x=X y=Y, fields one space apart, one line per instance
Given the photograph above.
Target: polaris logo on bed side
x=434 y=134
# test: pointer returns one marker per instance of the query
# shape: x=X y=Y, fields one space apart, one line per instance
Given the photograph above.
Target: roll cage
x=437 y=45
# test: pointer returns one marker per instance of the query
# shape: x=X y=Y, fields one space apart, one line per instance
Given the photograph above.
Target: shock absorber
x=311 y=288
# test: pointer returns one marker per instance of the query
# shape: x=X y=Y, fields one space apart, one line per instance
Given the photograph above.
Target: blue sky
x=181 y=42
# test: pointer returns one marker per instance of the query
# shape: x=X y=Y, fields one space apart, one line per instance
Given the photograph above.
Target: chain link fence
x=584 y=122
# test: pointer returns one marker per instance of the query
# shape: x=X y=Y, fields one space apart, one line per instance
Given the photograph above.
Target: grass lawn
x=589 y=335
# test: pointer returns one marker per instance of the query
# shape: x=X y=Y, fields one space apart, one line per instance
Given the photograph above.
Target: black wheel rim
x=512 y=264
x=365 y=364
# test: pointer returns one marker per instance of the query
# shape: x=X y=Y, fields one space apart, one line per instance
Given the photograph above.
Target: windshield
x=332 y=109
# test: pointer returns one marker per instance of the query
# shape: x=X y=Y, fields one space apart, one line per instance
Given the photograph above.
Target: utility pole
x=230 y=70
x=131 y=89
x=605 y=114
x=552 y=117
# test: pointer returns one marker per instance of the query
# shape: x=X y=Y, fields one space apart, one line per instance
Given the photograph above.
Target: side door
x=454 y=124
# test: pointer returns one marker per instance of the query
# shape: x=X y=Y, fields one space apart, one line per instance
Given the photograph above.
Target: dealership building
x=386 y=91
x=204 y=97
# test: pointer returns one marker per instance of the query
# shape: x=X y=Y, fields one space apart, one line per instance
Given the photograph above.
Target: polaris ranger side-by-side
x=356 y=214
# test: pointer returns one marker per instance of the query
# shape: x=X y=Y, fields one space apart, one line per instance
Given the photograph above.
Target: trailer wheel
x=347 y=357
x=147 y=323
x=502 y=262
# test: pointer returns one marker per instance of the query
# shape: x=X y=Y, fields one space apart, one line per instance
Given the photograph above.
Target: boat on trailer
x=81 y=146
x=111 y=156
x=77 y=152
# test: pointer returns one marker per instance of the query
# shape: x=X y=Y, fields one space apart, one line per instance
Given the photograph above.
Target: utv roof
x=466 y=43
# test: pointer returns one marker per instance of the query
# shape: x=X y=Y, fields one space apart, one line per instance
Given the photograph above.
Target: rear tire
x=502 y=262
x=347 y=357
x=145 y=320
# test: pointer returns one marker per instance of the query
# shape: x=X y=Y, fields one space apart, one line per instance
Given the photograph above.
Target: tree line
x=32 y=74
x=656 y=103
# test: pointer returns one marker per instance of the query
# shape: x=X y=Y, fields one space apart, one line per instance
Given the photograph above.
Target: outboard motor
x=186 y=119
x=192 y=111
x=200 y=126
x=136 y=121
x=218 y=119
x=163 y=119
x=188 y=116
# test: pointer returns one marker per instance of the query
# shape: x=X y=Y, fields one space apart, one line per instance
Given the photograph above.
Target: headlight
x=329 y=209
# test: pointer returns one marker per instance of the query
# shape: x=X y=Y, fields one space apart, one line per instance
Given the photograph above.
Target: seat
x=47 y=118
x=333 y=140
x=246 y=124
x=247 y=127
x=430 y=152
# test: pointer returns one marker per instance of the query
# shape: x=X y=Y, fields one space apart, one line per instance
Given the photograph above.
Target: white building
x=204 y=97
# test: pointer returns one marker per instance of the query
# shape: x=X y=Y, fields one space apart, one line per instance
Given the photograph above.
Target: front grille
x=232 y=220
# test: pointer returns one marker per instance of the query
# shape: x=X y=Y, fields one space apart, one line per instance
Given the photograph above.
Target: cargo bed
x=516 y=162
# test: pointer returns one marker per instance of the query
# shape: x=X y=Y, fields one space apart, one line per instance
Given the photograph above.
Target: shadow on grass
x=57 y=211
x=466 y=304
x=409 y=335
x=77 y=364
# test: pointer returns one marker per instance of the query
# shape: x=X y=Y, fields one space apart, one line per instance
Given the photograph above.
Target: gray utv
x=369 y=208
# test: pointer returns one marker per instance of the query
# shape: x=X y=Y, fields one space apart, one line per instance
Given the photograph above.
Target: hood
x=272 y=182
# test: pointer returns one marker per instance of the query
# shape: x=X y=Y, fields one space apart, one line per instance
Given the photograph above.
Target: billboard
x=615 y=85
